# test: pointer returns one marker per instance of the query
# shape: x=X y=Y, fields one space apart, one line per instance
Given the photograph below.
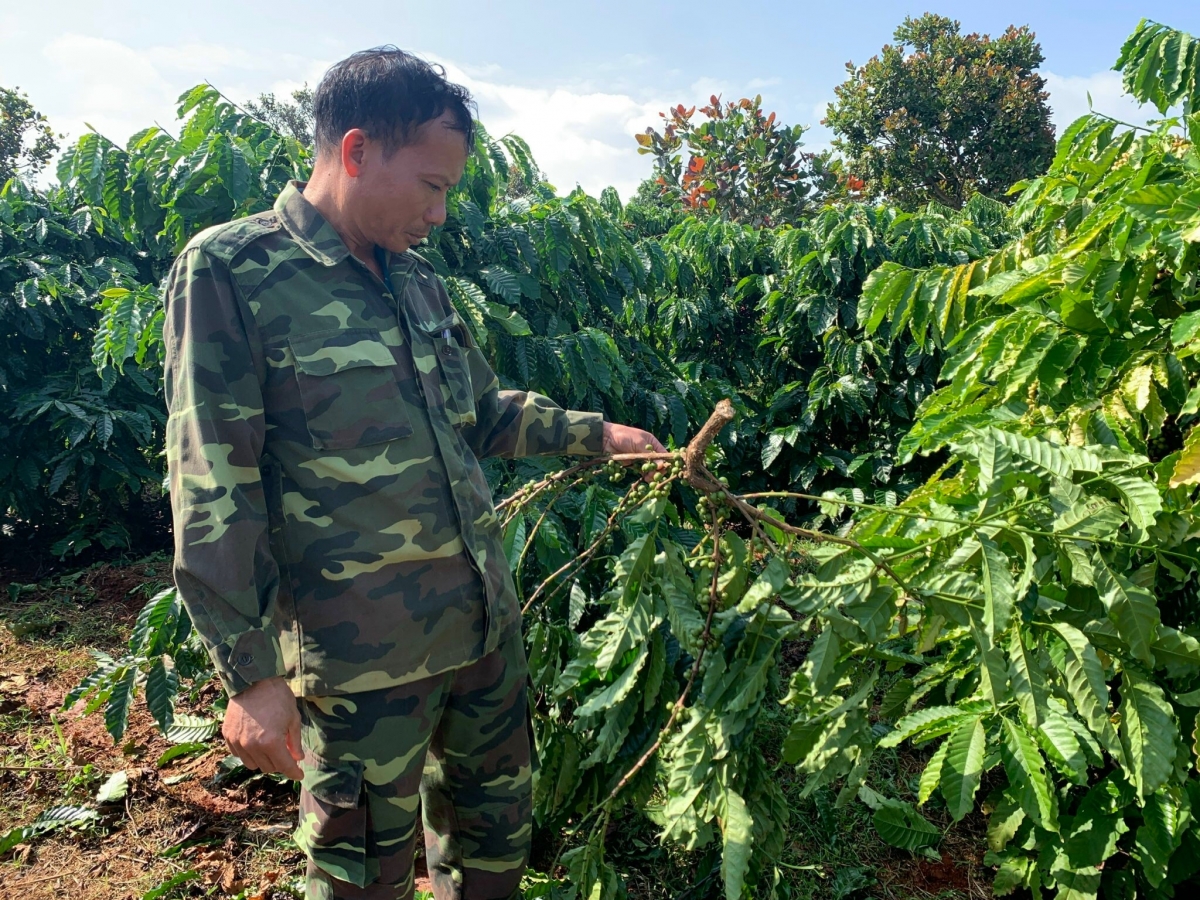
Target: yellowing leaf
x=1187 y=466
x=1137 y=387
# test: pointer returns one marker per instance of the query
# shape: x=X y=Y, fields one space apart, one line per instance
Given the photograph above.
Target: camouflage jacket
x=332 y=523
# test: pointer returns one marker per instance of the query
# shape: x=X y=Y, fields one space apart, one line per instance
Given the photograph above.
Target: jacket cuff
x=248 y=657
x=585 y=433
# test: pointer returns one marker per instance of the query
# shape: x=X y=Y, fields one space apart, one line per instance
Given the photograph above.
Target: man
x=335 y=540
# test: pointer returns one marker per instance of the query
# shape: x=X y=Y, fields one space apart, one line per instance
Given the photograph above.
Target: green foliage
x=940 y=115
x=1048 y=572
x=963 y=473
x=293 y=117
x=79 y=463
x=27 y=142
x=165 y=888
x=836 y=396
x=898 y=823
x=569 y=296
x=1036 y=594
x=1160 y=65
x=163 y=650
x=48 y=820
x=158 y=190
x=547 y=283
x=79 y=282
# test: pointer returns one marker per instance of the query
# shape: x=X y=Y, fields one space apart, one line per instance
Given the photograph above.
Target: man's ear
x=354 y=146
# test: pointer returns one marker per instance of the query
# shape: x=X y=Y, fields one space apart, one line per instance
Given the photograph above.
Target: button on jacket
x=332 y=524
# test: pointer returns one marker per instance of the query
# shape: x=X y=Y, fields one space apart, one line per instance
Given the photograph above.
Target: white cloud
x=202 y=59
x=119 y=90
x=1069 y=98
x=107 y=85
x=577 y=136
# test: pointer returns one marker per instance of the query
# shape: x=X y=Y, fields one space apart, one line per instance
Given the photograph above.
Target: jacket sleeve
x=524 y=423
x=224 y=570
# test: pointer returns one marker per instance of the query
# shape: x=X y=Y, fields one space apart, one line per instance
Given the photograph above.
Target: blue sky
x=576 y=79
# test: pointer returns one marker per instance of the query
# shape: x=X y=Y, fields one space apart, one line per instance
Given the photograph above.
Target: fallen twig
x=40 y=768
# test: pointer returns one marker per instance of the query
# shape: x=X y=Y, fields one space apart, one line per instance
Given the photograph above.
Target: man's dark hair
x=389 y=94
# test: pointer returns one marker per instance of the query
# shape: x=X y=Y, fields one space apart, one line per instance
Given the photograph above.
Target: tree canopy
x=291 y=117
x=742 y=164
x=27 y=142
x=941 y=115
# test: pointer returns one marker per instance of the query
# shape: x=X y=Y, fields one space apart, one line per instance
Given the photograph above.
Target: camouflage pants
x=457 y=742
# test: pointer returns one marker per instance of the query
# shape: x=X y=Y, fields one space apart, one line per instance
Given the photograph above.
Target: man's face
x=394 y=201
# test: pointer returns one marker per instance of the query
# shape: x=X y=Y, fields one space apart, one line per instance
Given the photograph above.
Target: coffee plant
x=78 y=465
x=951 y=454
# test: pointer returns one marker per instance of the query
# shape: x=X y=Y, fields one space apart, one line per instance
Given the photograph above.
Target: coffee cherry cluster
x=612 y=470
x=657 y=476
x=710 y=505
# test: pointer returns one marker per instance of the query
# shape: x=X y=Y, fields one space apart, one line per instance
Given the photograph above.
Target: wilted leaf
x=115 y=787
x=192 y=729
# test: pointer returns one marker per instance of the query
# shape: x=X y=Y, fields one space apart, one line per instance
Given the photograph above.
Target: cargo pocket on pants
x=334 y=820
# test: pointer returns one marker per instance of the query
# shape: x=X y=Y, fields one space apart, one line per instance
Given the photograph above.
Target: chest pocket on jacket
x=458 y=394
x=348 y=389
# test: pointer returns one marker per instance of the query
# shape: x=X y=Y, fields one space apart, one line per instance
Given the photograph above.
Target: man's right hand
x=262 y=728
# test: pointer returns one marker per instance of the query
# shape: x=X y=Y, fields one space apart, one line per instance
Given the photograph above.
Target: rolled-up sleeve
x=226 y=575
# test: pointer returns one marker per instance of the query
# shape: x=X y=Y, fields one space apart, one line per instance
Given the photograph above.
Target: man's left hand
x=624 y=439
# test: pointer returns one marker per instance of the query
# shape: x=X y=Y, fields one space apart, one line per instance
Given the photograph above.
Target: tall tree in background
x=741 y=164
x=940 y=115
x=26 y=140
x=291 y=117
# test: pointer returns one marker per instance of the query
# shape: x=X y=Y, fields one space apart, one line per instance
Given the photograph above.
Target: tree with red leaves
x=741 y=164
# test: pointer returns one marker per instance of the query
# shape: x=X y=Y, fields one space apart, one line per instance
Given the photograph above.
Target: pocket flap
x=326 y=352
x=335 y=783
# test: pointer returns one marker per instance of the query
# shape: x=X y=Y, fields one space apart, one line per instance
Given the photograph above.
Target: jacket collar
x=308 y=227
x=317 y=237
